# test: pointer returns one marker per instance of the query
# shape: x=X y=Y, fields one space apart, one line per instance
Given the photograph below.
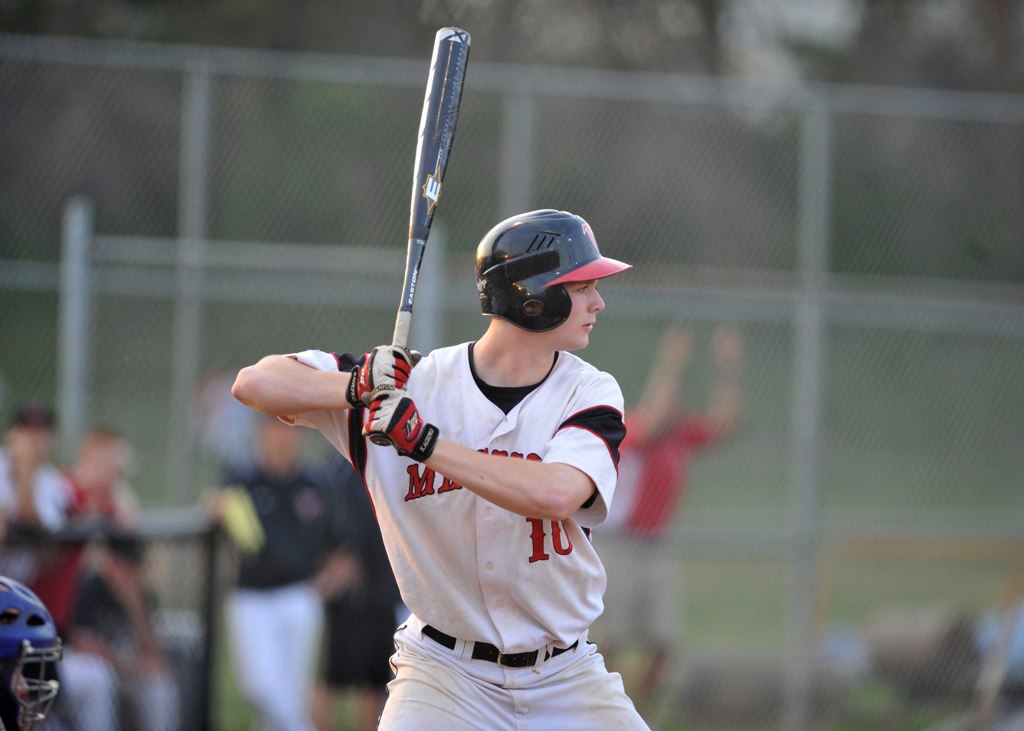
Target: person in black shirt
x=275 y=610
x=361 y=612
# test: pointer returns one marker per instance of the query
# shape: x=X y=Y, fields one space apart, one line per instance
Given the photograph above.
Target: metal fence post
x=75 y=322
x=211 y=617
x=428 y=330
x=192 y=208
x=808 y=377
x=516 y=186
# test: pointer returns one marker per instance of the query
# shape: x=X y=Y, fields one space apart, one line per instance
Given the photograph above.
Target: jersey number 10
x=560 y=542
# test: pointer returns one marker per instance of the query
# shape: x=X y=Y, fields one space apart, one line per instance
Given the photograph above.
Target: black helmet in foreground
x=522 y=263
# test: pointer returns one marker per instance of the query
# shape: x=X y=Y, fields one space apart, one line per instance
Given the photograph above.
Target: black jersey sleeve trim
x=356 y=441
x=358 y=452
x=605 y=422
x=347 y=361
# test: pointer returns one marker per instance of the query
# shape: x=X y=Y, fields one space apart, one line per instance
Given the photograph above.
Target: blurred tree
x=927 y=43
x=936 y=43
x=967 y=45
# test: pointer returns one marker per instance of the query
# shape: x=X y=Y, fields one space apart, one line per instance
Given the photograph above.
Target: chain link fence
x=170 y=214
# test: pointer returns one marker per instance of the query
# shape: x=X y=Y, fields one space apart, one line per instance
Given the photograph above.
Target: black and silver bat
x=437 y=130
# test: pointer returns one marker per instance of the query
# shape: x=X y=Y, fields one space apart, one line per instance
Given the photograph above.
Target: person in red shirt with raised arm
x=642 y=601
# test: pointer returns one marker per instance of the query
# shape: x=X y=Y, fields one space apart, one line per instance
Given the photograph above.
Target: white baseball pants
x=437 y=689
x=275 y=636
x=92 y=690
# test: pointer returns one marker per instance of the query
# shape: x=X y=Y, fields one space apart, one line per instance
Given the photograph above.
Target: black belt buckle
x=519 y=659
x=490 y=653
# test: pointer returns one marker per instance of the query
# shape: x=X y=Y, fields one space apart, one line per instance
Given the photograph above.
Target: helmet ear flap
x=541 y=308
x=527 y=303
x=533 y=307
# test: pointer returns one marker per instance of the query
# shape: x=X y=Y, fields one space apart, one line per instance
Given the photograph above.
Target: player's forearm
x=529 y=488
x=281 y=386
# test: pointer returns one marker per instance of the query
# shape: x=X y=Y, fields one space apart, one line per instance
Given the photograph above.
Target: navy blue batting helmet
x=522 y=263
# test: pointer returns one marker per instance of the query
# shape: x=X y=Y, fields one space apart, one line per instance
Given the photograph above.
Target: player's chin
x=579 y=341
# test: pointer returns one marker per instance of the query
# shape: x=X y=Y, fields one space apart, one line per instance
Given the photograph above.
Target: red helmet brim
x=596 y=269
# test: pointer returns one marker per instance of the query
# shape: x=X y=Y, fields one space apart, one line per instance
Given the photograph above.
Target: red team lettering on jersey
x=422 y=478
x=421 y=484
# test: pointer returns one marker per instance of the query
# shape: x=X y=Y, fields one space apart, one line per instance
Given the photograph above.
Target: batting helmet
x=522 y=263
x=29 y=651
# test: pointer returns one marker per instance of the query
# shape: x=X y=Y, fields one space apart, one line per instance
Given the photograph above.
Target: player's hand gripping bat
x=437 y=130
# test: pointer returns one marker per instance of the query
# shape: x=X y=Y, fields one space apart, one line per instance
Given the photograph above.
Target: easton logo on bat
x=432 y=188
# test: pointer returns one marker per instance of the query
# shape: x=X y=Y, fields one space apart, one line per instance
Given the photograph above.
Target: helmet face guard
x=30 y=685
x=524 y=261
x=29 y=652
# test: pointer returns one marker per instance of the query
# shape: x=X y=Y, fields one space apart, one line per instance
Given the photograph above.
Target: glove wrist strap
x=426 y=443
x=352 y=392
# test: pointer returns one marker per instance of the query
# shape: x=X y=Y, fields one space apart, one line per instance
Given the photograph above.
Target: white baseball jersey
x=464 y=565
x=51 y=492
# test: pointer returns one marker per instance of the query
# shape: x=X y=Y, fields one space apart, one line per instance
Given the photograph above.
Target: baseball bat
x=437 y=130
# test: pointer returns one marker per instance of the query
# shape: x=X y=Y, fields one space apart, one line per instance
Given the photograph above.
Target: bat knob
x=380 y=440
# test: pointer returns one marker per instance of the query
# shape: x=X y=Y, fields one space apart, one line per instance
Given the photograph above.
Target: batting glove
x=385 y=368
x=394 y=420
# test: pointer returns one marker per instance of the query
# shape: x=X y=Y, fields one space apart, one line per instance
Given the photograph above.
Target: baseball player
x=503 y=456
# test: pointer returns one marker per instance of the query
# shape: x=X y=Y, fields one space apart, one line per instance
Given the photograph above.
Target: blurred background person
x=101 y=501
x=33 y=493
x=642 y=603
x=114 y=657
x=227 y=427
x=281 y=514
x=99 y=477
x=363 y=602
x=34 y=496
